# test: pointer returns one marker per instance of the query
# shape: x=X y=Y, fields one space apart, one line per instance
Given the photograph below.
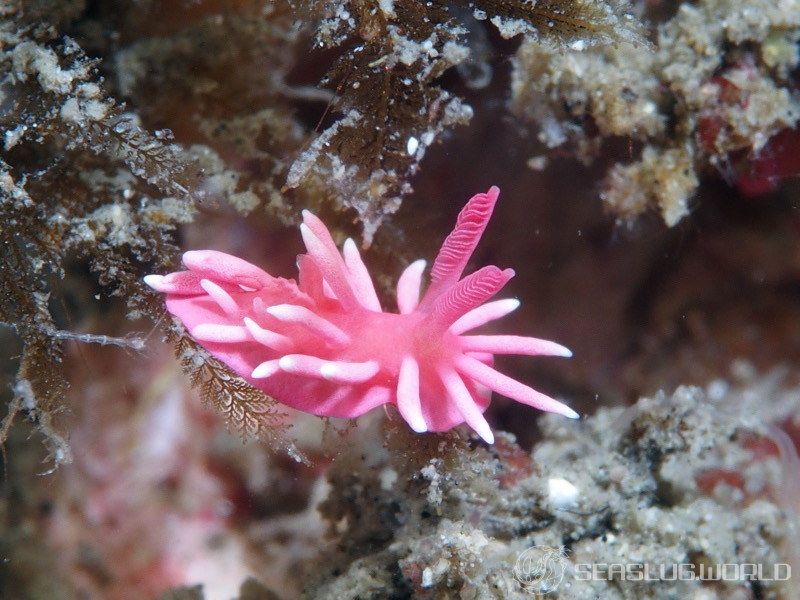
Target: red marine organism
x=325 y=345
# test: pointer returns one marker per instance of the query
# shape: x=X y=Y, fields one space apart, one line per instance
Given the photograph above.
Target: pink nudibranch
x=325 y=346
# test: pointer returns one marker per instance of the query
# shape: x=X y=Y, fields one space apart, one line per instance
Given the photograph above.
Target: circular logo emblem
x=540 y=569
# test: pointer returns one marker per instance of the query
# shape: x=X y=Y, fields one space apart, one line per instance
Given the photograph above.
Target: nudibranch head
x=324 y=345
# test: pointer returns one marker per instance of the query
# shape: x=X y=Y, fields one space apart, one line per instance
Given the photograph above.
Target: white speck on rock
x=562 y=493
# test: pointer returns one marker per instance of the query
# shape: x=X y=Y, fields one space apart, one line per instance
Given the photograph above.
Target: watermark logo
x=682 y=572
x=540 y=569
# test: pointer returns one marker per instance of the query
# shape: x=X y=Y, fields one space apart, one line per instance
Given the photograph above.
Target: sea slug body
x=324 y=345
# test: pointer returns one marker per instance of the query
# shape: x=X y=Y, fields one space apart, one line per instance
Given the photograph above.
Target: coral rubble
x=625 y=486
x=716 y=88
